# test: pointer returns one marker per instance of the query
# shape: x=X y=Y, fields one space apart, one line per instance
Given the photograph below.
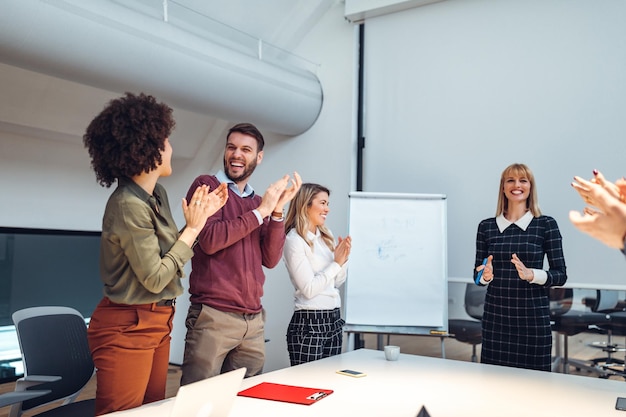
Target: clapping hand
x=278 y=194
x=289 y=192
x=605 y=216
x=342 y=250
x=524 y=273
x=204 y=204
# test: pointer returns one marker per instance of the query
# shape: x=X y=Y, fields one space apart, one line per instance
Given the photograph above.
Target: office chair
x=564 y=325
x=56 y=357
x=609 y=303
x=10 y=398
x=470 y=331
x=593 y=320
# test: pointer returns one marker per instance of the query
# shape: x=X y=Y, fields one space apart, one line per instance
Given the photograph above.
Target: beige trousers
x=219 y=342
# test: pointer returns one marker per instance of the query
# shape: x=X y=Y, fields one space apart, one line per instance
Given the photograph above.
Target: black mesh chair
x=594 y=319
x=561 y=300
x=470 y=331
x=10 y=398
x=609 y=303
x=56 y=358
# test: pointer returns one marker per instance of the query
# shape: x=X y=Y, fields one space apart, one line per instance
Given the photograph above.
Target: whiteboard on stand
x=397 y=276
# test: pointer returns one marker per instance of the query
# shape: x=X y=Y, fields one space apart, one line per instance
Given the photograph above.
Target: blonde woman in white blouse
x=317 y=268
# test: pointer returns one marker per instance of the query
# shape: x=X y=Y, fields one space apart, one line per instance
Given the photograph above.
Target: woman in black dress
x=516 y=320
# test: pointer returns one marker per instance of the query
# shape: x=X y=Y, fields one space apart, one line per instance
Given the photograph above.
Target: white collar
x=312 y=235
x=522 y=222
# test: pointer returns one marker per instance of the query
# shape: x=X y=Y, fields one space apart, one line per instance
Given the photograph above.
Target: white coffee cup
x=392 y=353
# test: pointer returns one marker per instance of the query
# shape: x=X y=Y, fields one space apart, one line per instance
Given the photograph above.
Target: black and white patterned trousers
x=314 y=334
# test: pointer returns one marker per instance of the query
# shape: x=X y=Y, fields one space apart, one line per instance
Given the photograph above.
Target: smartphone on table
x=352 y=373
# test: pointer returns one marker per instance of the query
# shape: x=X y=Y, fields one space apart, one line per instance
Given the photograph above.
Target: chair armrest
x=9 y=398
x=26 y=382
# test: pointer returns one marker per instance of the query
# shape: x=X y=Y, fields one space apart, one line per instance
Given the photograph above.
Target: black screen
x=42 y=267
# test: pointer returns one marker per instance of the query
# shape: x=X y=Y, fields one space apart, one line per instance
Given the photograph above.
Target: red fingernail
x=595 y=172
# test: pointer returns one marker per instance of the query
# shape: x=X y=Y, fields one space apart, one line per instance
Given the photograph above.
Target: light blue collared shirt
x=247 y=190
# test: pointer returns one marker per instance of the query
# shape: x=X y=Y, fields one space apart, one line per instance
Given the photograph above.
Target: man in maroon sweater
x=225 y=322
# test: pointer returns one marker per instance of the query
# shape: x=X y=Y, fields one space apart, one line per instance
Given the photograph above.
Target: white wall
x=458 y=90
x=48 y=184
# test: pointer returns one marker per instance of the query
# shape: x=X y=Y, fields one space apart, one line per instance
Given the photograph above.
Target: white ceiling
x=42 y=106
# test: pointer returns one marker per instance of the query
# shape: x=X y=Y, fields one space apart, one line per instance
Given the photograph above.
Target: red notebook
x=286 y=393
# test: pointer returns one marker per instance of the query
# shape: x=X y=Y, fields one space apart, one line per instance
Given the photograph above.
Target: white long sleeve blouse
x=314 y=273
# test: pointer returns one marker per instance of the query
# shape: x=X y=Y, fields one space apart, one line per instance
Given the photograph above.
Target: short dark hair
x=128 y=136
x=248 y=129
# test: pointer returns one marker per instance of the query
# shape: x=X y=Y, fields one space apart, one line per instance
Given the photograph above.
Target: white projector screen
x=455 y=91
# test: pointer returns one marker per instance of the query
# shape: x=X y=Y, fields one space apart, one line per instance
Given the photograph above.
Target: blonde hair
x=298 y=219
x=518 y=170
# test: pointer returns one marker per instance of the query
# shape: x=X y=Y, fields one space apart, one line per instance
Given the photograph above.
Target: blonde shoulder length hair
x=518 y=170
x=297 y=216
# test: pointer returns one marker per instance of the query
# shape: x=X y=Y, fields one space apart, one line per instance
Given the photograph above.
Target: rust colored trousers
x=130 y=346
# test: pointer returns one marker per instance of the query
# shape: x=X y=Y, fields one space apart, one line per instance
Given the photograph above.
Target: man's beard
x=247 y=171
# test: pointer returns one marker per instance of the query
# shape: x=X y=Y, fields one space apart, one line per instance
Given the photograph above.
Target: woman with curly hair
x=142 y=253
x=317 y=269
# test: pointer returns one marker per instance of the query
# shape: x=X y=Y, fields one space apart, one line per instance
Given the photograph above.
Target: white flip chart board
x=397 y=276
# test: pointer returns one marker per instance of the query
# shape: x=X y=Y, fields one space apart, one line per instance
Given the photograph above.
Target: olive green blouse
x=141 y=258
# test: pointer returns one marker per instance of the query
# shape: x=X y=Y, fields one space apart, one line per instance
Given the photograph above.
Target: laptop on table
x=211 y=397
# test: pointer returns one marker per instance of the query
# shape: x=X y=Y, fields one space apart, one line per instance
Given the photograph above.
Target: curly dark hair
x=128 y=136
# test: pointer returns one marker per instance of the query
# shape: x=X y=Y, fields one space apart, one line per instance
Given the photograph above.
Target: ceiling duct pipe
x=107 y=45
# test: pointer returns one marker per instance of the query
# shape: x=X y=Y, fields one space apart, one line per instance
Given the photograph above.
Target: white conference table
x=447 y=388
